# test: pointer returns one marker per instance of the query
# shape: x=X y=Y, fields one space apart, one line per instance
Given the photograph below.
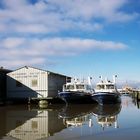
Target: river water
x=73 y=122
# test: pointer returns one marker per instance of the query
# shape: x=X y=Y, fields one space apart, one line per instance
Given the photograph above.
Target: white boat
x=77 y=91
x=106 y=92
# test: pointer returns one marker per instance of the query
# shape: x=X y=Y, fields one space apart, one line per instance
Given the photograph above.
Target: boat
x=106 y=92
x=77 y=91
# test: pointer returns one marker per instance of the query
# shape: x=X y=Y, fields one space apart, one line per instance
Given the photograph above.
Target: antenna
x=89 y=80
x=101 y=78
x=114 y=78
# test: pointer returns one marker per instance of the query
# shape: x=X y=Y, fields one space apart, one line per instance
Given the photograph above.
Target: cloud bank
x=17 y=51
x=51 y=16
x=26 y=27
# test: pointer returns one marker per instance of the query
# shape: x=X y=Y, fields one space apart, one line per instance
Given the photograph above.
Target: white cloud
x=24 y=51
x=12 y=42
x=92 y=9
x=24 y=24
x=20 y=16
x=14 y=63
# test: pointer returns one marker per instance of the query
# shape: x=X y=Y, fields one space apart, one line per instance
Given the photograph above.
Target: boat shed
x=3 y=88
x=30 y=82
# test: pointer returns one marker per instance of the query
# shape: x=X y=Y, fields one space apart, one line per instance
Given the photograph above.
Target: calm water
x=76 y=122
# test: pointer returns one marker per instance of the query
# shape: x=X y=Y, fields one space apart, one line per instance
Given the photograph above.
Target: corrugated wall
x=27 y=82
x=55 y=83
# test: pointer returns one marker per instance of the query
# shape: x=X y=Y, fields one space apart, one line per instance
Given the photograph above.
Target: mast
x=114 y=79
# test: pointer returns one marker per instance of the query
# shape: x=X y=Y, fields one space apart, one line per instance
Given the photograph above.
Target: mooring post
x=137 y=95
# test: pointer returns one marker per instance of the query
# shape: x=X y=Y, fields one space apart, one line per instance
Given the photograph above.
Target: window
x=110 y=86
x=34 y=125
x=19 y=84
x=79 y=86
x=70 y=87
x=34 y=83
x=100 y=87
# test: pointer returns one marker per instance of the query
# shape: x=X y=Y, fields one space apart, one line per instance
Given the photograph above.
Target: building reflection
x=21 y=123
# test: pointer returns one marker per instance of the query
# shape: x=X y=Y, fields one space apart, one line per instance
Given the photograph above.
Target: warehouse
x=30 y=82
x=3 y=73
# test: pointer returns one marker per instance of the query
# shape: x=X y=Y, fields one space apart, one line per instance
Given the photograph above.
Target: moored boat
x=77 y=91
x=106 y=92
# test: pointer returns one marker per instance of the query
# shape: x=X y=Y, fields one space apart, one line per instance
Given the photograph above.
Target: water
x=75 y=122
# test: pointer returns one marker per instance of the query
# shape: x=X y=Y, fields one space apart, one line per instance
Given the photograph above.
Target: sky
x=74 y=37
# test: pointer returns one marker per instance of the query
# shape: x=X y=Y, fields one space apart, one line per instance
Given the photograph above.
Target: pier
x=135 y=94
x=44 y=102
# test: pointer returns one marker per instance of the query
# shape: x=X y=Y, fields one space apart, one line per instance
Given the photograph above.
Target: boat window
x=110 y=86
x=70 y=87
x=100 y=86
x=88 y=87
x=79 y=86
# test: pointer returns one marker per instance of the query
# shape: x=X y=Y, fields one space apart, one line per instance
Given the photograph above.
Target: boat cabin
x=108 y=85
x=77 y=87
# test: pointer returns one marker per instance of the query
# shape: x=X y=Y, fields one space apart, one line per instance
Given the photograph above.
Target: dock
x=46 y=100
x=133 y=92
x=136 y=94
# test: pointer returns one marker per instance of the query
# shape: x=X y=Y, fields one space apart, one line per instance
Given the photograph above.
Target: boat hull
x=106 y=98
x=76 y=97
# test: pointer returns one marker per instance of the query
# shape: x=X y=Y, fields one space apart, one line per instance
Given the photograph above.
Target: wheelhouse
x=105 y=86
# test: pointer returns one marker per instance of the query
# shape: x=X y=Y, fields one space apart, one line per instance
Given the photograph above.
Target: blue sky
x=72 y=37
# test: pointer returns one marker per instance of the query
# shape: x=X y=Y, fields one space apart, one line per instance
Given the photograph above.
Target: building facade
x=29 y=82
x=3 y=88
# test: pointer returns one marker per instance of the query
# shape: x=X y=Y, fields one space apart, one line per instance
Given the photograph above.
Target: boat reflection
x=107 y=115
x=31 y=123
x=78 y=115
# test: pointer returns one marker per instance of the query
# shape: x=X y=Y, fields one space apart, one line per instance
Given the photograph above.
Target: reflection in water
x=71 y=122
x=78 y=115
x=107 y=115
x=24 y=124
x=138 y=104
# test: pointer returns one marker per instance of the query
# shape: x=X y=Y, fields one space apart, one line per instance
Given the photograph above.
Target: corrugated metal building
x=3 y=73
x=29 y=82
